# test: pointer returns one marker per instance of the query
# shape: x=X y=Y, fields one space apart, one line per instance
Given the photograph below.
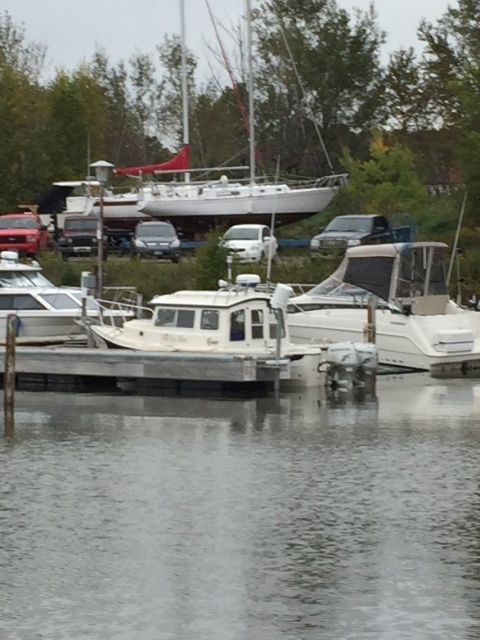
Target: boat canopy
x=179 y=162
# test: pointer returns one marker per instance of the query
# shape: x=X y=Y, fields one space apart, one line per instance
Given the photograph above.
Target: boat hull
x=196 y=215
x=403 y=341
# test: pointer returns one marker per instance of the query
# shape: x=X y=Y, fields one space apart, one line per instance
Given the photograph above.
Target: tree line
x=324 y=103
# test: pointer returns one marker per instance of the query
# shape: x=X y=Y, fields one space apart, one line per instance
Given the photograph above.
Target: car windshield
x=80 y=225
x=17 y=223
x=155 y=231
x=240 y=233
x=348 y=224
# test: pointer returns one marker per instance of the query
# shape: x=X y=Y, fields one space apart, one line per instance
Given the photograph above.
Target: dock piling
x=9 y=376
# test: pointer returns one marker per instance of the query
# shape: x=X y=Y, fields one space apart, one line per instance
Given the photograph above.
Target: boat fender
x=18 y=326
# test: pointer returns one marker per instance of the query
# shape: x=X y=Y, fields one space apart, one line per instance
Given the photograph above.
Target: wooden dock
x=82 y=368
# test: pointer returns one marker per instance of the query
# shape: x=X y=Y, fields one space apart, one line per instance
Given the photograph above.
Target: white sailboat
x=196 y=207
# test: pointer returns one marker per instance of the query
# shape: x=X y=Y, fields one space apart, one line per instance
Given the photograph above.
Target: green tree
x=387 y=182
x=316 y=65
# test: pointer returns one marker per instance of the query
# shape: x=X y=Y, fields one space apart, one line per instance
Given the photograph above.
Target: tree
x=333 y=77
x=387 y=182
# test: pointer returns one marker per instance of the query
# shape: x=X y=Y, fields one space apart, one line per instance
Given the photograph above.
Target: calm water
x=148 y=519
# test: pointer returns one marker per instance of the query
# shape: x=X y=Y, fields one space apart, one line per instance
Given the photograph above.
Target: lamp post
x=102 y=168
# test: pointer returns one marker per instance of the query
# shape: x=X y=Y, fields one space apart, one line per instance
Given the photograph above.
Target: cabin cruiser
x=415 y=323
x=238 y=320
x=45 y=313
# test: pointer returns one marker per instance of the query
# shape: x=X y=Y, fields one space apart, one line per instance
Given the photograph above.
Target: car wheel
x=175 y=259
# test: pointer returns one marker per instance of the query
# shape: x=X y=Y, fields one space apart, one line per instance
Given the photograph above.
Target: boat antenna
x=309 y=109
x=186 y=135
x=457 y=234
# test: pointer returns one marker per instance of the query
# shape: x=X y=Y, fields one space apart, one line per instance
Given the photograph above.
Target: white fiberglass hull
x=405 y=341
x=295 y=202
x=42 y=324
x=306 y=361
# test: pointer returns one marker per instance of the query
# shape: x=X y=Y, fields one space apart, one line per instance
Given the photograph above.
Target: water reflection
x=310 y=516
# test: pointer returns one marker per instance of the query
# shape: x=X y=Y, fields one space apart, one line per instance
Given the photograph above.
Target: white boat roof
x=388 y=250
x=221 y=298
x=9 y=262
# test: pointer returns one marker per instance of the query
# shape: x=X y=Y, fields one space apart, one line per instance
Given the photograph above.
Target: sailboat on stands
x=196 y=207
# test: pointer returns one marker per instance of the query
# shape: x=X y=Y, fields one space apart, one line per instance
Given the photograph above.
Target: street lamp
x=102 y=168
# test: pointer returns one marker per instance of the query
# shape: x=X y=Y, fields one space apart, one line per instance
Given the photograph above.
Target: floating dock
x=82 y=368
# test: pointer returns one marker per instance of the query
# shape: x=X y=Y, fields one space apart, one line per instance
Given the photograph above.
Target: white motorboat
x=45 y=313
x=236 y=320
x=416 y=324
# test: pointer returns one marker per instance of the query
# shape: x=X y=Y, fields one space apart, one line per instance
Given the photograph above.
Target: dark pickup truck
x=353 y=230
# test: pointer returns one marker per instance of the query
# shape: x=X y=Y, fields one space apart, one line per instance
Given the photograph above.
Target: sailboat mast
x=186 y=135
x=251 y=136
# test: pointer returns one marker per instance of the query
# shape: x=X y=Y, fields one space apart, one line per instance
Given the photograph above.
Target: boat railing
x=116 y=312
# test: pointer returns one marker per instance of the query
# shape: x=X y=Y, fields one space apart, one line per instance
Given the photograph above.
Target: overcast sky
x=71 y=29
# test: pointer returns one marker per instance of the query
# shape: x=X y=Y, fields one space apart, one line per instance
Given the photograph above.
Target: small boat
x=416 y=324
x=238 y=320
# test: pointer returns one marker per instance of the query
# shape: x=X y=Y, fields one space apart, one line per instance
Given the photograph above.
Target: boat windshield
x=24 y=279
x=60 y=300
x=241 y=234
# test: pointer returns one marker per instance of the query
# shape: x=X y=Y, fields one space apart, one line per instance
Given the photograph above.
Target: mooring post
x=371 y=329
x=9 y=376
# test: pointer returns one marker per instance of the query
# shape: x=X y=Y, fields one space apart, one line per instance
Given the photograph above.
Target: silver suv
x=156 y=239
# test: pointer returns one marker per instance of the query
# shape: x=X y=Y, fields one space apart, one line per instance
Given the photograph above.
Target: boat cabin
x=230 y=319
x=409 y=278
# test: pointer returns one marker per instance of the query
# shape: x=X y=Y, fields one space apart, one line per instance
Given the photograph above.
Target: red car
x=24 y=233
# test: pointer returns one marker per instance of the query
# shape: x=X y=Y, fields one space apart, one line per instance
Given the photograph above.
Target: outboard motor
x=350 y=364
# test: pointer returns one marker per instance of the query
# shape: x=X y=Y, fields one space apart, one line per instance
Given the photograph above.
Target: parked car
x=156 y=239
x=353 y=230
x=24 y=233
x=250 y=242
x=79 y=237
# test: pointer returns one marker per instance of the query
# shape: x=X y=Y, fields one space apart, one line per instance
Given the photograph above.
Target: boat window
x=438 y=276
x=237 y=325
x=165 y=318
x=272 y=321
x=21 y=302
x=91 y=304
x=373 y=274
x=23 y=279
x=209 y=320
x=60 y=300
x=257 y=324
x=185 y=318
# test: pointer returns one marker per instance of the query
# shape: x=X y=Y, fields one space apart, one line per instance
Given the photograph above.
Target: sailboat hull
x=200 y=210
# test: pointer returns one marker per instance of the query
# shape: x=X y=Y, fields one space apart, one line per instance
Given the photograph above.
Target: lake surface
x=137 y=518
